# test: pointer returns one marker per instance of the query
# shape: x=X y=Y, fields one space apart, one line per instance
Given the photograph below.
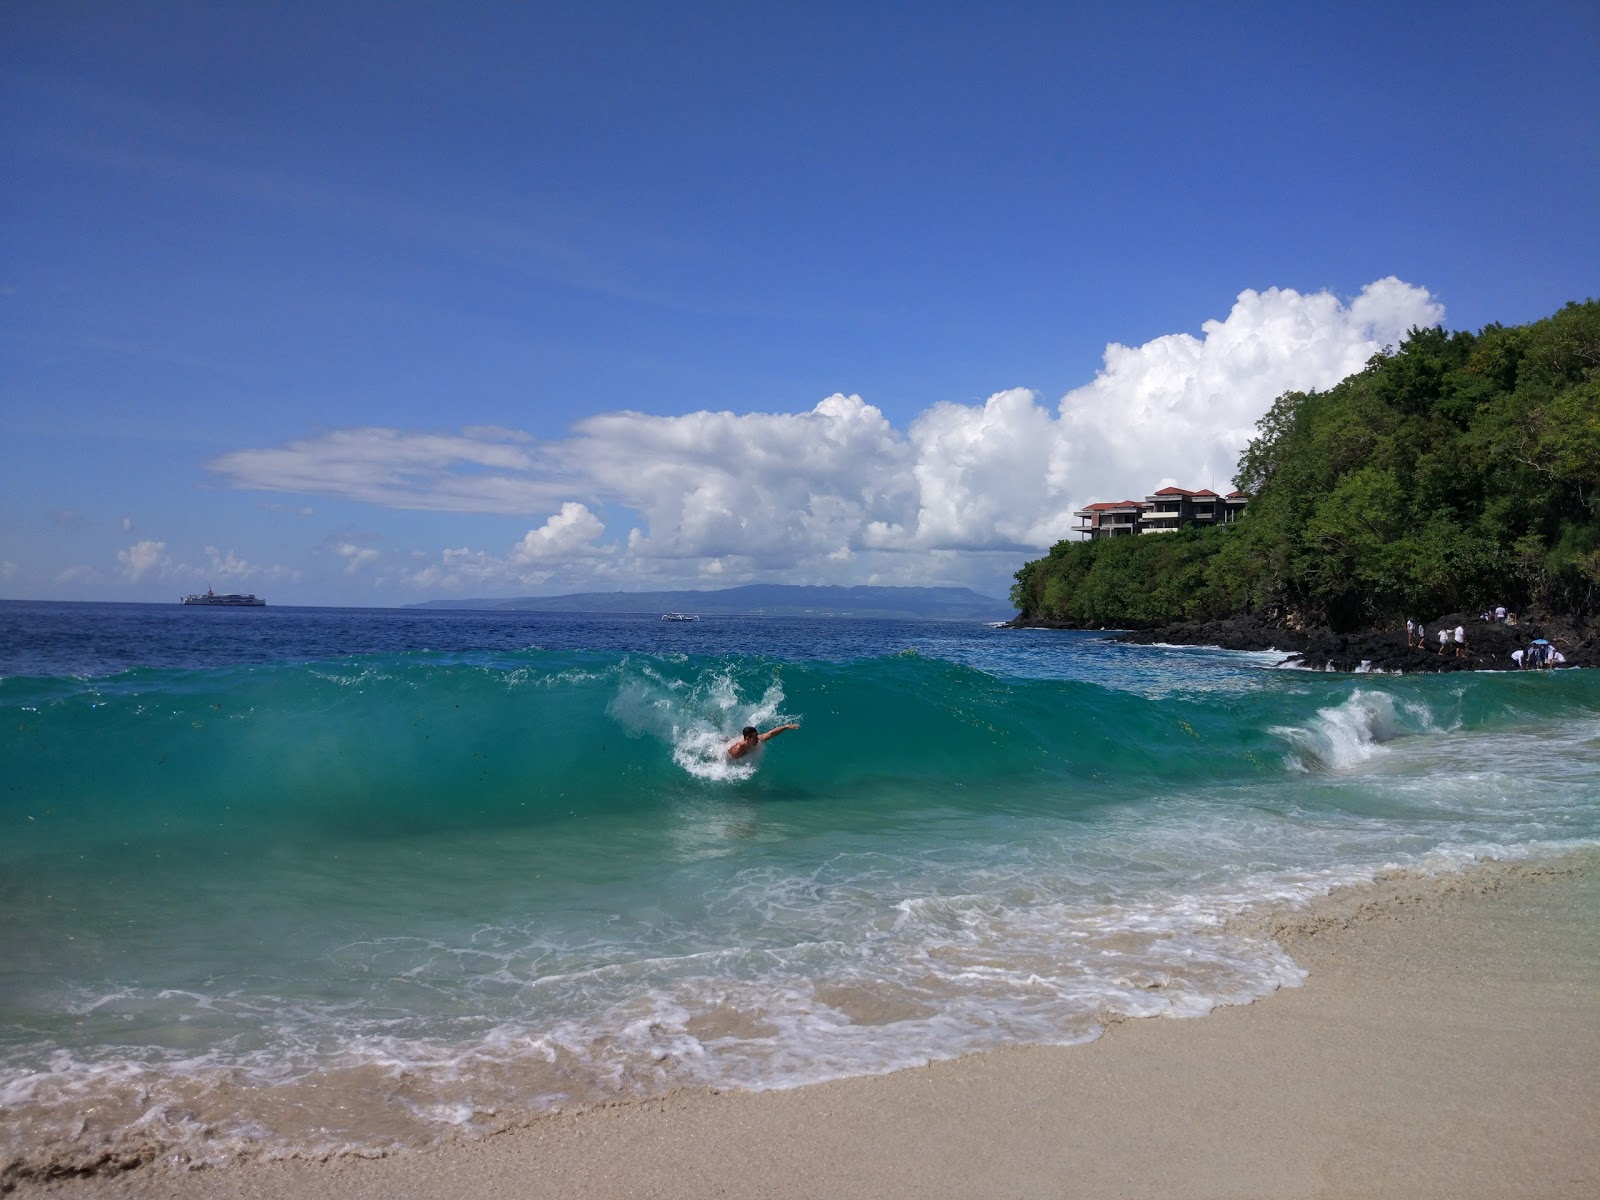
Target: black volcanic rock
x=1245 y=632
x=1489 y=645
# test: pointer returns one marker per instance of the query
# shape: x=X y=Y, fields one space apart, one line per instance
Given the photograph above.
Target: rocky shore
x=1489 y=644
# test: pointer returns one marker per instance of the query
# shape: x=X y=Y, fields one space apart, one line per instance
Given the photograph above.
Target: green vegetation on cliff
x=1459 y=471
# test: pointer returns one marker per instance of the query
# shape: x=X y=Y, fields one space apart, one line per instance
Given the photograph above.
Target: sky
x=377 y=303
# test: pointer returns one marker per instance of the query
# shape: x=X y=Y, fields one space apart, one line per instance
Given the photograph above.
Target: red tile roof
x=1102 y=505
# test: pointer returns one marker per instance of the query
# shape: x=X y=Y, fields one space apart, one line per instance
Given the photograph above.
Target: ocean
x=309 y=881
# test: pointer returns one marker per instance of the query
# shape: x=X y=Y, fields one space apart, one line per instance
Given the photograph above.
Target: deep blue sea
x=290 y=880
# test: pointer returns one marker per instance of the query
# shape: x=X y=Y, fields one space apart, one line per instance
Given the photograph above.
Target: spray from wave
x=697 y=717
x=1352 y=733
x=343 y=906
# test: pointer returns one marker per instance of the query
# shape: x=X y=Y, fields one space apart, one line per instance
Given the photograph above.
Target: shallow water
x=284 y=880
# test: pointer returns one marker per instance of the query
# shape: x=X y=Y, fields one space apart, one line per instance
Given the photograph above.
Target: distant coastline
x=765 y=600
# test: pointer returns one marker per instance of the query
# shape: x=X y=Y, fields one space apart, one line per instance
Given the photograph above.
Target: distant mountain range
x=768 y=599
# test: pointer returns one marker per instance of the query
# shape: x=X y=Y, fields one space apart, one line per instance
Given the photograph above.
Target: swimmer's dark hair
x=749 y=731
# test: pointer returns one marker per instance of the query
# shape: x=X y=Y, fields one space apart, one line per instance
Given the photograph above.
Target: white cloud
x=772 y=487
x=837 y=494
x=481 y=470
x=229 y=566
x=356 y=557
x=566 y=547
x=1388 y=309
x=145 y=558
x=572 y=532
x=149 y=559
x=127 y=524
x=981 y=472
x=226 y=566
x=1180 y=408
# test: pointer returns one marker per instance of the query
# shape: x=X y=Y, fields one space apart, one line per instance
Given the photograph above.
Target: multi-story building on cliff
x=1165 y=511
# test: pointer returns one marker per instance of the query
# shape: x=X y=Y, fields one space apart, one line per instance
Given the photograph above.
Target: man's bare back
x=752 y=740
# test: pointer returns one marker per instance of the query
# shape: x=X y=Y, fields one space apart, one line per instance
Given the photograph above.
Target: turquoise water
x=313 y=880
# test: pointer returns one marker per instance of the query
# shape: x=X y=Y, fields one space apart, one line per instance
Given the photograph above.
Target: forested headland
x=1453 y=473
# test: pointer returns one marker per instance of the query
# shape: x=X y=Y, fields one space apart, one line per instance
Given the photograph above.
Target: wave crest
x=697 y=717
x=1348 y=735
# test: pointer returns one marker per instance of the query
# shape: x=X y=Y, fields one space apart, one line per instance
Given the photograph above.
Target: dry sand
x=1447 y=1044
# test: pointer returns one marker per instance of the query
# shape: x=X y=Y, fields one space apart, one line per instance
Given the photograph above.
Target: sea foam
x=1352 y=733
x=373 y=901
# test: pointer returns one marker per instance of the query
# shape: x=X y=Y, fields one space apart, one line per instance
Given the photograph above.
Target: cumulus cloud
x=837 y=493
x=573 y=532
x=566 y=547
x=227 y=565
x=1179 y=409
x=980 y=472
x=145 y=558
x=770 y=487
x=356 y=557
x=149 y=559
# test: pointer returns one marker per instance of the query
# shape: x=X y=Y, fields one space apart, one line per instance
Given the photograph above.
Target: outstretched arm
x=776 y=730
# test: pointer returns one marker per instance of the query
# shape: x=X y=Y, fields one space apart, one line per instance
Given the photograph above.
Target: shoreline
x=1446 y=1043
x=1488 y=645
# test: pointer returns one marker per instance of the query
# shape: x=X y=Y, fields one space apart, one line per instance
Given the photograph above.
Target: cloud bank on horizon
x=837 y=494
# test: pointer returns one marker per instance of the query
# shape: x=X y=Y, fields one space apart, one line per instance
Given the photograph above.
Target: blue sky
x=376 y=303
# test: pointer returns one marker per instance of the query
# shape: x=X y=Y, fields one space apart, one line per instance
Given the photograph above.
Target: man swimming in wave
x=752 y=740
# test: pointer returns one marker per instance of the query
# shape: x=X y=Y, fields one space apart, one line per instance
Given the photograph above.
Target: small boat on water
x=225 y=600
x=680 y=617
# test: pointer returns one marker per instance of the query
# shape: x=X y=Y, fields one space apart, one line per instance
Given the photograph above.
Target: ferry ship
x=227 y=600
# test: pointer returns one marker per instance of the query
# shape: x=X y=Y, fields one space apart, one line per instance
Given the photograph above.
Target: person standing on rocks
x=1411 y=629
x=1461 y=641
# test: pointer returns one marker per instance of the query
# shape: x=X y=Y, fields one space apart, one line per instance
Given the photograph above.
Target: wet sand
x=1446 y=1044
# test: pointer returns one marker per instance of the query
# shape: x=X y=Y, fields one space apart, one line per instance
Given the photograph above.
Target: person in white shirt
x=1461 y=641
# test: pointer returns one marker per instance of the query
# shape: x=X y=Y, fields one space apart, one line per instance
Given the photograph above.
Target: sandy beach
x=1446 y=1043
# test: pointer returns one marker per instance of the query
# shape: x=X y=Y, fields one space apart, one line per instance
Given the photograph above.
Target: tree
x=1455 y=469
